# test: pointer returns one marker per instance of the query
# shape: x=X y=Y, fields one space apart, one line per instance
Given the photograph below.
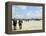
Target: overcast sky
x=26 y=12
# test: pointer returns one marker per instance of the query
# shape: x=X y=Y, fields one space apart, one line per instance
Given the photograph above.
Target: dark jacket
x=20 y=21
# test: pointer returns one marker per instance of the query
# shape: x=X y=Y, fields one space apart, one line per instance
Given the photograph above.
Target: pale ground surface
x=31 y=25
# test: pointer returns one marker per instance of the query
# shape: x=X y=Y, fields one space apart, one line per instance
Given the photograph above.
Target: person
x=20 y=24
x=14 y=23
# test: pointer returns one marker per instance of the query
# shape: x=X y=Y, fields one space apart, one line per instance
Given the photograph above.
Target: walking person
x=14 y=23
x=20 y=24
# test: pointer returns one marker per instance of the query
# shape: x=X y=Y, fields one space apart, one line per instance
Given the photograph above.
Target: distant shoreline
x=28 y=19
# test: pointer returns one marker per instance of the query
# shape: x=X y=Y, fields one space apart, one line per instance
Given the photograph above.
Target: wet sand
x=31 y=25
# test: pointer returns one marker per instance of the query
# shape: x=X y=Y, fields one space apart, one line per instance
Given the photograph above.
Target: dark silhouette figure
x=20 y=24
x=14 y=23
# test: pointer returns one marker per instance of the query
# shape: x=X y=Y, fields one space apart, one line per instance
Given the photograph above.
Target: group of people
x=15 y=23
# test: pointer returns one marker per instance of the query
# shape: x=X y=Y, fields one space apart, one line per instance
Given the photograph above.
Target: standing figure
x=14 y=23
x=20 y=24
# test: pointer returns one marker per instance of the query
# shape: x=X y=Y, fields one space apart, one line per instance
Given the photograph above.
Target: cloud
x=37 y=14
x=39 y=7
x=21 y=6
x=30 y=14
x=18 y=16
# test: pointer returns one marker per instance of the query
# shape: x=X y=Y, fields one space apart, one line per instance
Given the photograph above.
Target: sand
x=31 y=25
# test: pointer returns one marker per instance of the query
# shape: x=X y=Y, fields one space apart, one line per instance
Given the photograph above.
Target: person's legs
x=20 y=26
x=15 y=27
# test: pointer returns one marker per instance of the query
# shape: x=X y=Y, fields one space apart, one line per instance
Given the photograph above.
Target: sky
x=26 y=12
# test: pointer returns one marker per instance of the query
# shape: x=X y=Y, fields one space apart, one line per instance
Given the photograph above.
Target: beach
x=29 y=25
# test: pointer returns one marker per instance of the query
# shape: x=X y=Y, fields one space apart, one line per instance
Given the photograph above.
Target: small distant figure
x=20 y=24
x=14 y=23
